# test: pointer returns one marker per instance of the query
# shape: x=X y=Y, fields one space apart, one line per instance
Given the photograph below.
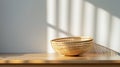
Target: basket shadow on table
x=99 y=50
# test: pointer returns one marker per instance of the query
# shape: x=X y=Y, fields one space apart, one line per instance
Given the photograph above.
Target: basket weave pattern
x=71 y=45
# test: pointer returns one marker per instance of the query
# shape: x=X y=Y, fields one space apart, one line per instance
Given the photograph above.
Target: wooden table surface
x=91 y=57
x=53 y=58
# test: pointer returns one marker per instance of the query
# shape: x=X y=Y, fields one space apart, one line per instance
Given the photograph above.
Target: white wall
x=107 y=23
x=97 y=18
x=22 y=26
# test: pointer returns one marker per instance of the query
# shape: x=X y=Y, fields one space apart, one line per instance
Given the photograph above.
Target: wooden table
x=92 y=58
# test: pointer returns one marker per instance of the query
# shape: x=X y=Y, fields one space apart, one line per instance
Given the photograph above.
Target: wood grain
x=97 y=55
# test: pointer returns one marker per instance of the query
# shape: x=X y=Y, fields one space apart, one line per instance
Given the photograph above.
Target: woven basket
x=72 y=46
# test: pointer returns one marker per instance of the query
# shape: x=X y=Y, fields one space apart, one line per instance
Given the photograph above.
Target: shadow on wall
x=108 y=23
x=97 y=18
x=112 y=6
x=22 y=26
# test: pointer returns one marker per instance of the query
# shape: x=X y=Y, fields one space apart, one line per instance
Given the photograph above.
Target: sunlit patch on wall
x=103 y=21
x=80 y=17
x=115 y=34
x=63 y=17
x=76 y=17
x=89 y=19
x=51 y=20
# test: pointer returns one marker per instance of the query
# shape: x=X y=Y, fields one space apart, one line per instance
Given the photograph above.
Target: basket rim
x=86 y=37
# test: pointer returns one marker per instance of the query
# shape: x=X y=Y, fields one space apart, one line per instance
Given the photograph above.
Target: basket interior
x=72 y=39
